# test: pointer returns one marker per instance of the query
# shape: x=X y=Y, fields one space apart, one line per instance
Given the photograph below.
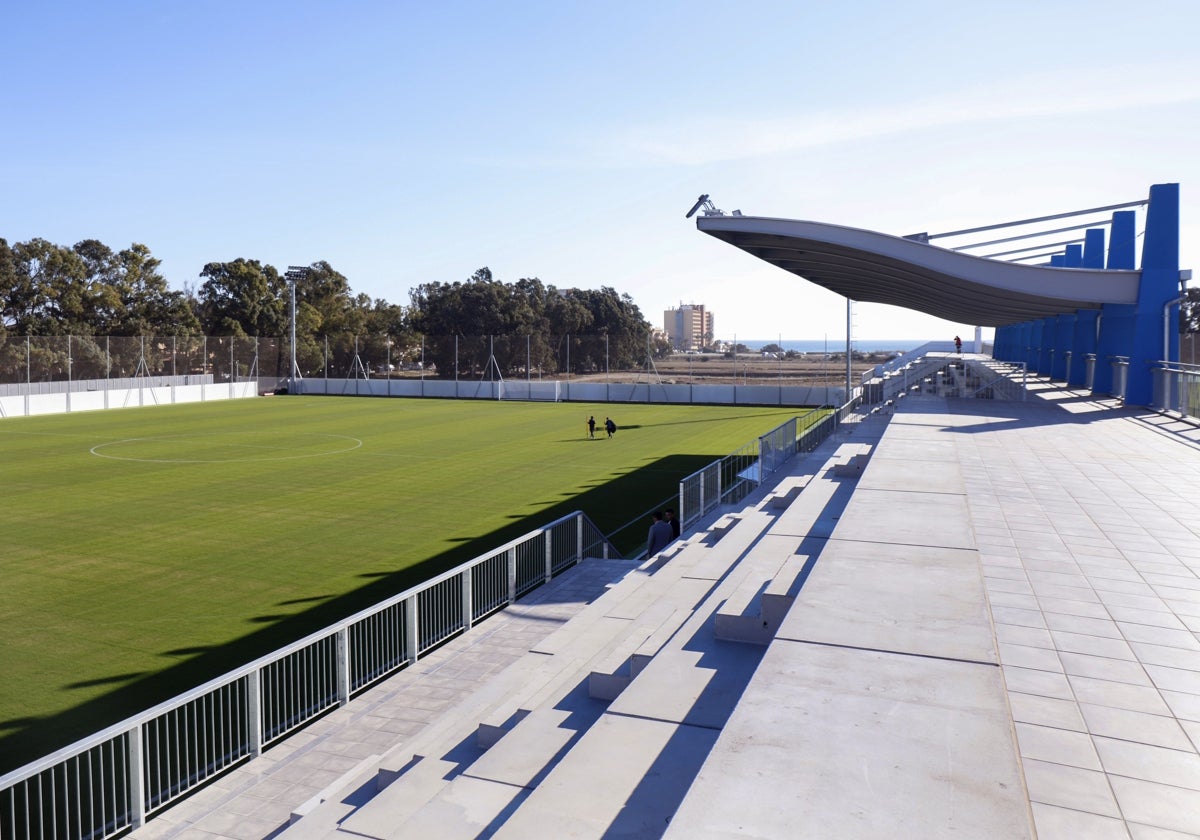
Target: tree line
x=89 y=289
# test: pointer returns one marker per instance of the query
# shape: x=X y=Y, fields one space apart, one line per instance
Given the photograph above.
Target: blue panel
x=1116 y=339
x=1074 y=256
x=1158 y=287
x=1093 y=248
x=1083 y=344
x=1123 y=240
x=1046 y=351
x=1161 y=246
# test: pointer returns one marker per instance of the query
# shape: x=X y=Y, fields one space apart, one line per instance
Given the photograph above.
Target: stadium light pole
x=294 y=274
x=849 y=368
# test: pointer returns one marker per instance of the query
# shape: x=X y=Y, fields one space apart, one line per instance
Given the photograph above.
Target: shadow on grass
x=609 y=505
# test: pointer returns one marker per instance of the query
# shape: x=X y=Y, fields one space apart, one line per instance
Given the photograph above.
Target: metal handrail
x=130 y=786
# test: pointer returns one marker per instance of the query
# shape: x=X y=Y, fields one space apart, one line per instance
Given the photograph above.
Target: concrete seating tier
x=482 y=759
x=601 y=727
x=780 y=563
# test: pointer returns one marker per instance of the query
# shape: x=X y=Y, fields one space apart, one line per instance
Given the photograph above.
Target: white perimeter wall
x=28 y=405
x=596 y=392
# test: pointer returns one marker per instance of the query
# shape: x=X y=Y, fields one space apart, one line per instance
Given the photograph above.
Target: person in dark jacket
x=673 y=521
x=659 y=535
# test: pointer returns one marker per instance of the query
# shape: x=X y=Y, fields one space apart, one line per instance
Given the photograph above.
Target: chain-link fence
x=571 y=357
x=84 y=361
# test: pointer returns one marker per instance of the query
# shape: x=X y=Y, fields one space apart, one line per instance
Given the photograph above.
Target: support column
x=1064 y=334
x=1083 y=342
x=1159 y=286
x=1046 y=353
x=1115 y=339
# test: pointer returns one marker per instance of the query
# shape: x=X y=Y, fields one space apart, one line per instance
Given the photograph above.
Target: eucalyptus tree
x=243 y=298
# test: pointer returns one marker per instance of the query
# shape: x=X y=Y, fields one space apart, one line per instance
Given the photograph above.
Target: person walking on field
x=659 y=535
x=592 y=427
x=610 y=426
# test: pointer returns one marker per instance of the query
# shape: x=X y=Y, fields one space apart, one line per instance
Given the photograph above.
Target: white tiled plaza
x=984 y=626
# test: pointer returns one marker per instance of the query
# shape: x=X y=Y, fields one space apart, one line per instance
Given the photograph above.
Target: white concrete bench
x=714 y=560
x=755 y=611
x=504 y=775
x=739 y=617
x=721 y=527
x=571 y=665
x=698 y=563
x=853 y=467
x=617 y=668
x=785 y=496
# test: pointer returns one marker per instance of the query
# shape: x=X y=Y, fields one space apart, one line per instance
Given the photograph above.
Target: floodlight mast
x=294 y=274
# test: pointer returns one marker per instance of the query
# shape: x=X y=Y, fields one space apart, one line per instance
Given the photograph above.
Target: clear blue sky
x=415 y=142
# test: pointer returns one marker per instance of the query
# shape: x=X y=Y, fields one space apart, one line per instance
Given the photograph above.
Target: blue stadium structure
x=1051 y=317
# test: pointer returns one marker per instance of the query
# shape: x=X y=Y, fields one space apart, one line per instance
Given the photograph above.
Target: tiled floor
x=1090 y=544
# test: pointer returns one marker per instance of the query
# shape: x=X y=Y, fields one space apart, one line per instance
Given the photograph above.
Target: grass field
x=147 y=550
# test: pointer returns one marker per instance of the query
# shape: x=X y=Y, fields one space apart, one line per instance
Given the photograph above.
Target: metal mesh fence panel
x=378 y=645
x=440 y=611
x=85 y=796
x=299 y=687
x=192 y=742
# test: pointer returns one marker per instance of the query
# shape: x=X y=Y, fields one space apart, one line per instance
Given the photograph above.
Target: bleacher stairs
x=599 y=730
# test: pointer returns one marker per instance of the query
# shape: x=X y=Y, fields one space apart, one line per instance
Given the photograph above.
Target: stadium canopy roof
x=876 y=267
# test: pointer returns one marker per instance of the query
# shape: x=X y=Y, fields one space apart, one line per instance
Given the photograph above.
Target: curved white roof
x=864 y=265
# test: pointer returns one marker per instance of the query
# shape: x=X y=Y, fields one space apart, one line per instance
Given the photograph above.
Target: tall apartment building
x=690 y=327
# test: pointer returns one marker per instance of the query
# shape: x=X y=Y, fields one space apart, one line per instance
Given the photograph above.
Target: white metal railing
x=1177 y=388
x=110 y=782
x=735 y=476
x=907 y=358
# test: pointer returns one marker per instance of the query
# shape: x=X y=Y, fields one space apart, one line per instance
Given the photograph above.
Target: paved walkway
x=1085 y=516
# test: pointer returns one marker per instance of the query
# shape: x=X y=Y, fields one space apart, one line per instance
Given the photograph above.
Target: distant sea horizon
x=836 y=345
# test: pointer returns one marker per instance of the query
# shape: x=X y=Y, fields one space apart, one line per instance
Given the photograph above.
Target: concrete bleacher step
x=713 y=561
x=631 y=628
x=617 y=668
x=777 y=566
x=628 y=773
x=853 y=467
x=481 y=797
x=534 y=739
x=783 y=589
x=622 y=780
x=787 y=493
x=758 y=606
x=572 y=664
x=647 y=607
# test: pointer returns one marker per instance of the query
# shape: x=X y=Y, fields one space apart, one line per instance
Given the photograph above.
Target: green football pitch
x=148 y=550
